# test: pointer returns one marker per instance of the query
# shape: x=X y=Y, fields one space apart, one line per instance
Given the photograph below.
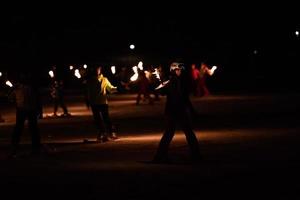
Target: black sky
x=79 y=38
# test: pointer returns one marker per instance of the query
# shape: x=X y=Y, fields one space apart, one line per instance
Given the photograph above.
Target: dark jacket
x=178 y=102
x=26 y=96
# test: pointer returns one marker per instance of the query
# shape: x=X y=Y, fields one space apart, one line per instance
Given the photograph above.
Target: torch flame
x=8 y=83
x=140 y=65
x=77 y=74
x=213 y=69
x=51 y=74
x=156 y=74
x=113 y=69
x=135 y=75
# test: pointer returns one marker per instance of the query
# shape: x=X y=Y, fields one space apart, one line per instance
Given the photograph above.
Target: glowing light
x=135 y=69
x=8 y=83
x=255 y=51
x=51 y=74
x=297 y=33
x=0 y=74
x=71 y=67
x=163 y=84
x=140 y=65
x=135 y=75
x=132 y=46
x=213 y=69
x=210 y=71
x=147 y=74
x=156 y=74
x=84 y=66
x=113 y=69
x=77 y=74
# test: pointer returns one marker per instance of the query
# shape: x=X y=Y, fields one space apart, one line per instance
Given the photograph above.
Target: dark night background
x=248 y=127
x=254 y=52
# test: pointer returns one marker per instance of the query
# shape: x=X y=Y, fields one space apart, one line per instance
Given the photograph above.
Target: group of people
x=198 y=77
x=144 y=85
x=147 y=82
x=177 y=109
x=25 y=94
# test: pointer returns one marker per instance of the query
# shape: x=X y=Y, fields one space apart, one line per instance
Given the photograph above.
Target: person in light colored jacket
x=99 y=87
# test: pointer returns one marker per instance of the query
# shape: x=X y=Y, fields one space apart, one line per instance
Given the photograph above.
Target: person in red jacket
x=204 y=72
x=143 y=88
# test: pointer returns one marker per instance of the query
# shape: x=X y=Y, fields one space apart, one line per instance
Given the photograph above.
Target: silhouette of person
x=123 y=80
x=204 y=71
x=57 y=94
x=195 y=75
x=154 y=81
x=98 y=89
x=143 y=88
x=177 y=112
x=83 y=73
x=25 y=94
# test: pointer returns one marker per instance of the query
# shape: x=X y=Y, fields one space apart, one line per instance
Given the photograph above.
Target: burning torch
x=140 y=65
x=212 y=70
x=77 y=73
x=135 y=75
x=51 y=74
x=162 y=84
x=9 y=84
x=113 y=69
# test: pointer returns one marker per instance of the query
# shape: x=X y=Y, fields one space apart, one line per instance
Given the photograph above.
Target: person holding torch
x=9 y=85
x=203 y=72
x=177 y=112
x=25 y=96
x=98 y=89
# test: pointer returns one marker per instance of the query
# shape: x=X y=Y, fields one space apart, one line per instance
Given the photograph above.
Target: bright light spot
x=132 y=46
x=0 y=74
x=113 y=69
x=135 y=75
x=212 y=70
x=84 y=66
x=255 y=51
x=71 y=67
x=162 y=85
x=297 y=33
x=140 y=65
x=77 y=74
x=156 y=74
x=8 y=83
x=135 y=69
x=51 y=74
